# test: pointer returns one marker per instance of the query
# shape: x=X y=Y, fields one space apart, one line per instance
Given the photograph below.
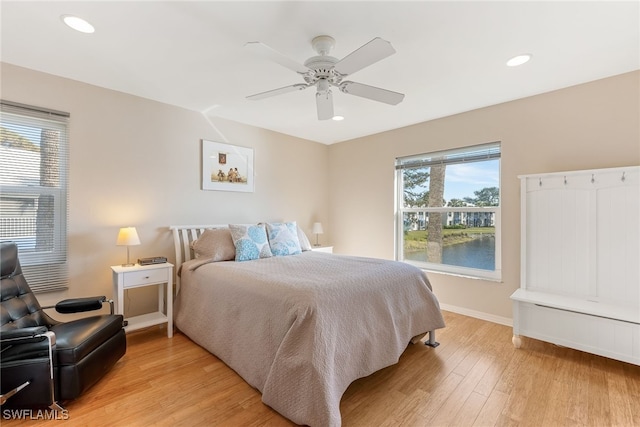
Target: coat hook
x=540 y=182
x=623 y=177
x=593 y=179
x=565 y=180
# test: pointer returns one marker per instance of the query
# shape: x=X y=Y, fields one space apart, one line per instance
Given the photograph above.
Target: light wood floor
x=475 y=377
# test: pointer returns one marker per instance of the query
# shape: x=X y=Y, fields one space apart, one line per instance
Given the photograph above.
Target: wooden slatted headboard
x=183 y=236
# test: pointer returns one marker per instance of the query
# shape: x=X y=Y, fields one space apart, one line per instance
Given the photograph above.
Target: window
x=33 y=191
x=448 y=211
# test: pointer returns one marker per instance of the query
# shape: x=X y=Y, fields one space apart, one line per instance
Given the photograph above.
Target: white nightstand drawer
x=145 y=277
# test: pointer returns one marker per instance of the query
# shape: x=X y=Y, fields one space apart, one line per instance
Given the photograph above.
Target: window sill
x=467 y=273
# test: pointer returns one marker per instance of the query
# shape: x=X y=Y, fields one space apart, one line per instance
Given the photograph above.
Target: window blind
x=477 y=153
x=33 y=191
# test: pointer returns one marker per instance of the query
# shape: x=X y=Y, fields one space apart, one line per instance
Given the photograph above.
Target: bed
x=300 y=328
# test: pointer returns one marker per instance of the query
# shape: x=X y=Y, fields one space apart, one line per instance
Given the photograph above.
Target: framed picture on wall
x=226 y=167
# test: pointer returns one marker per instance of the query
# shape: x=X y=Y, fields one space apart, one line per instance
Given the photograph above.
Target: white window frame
x=45 y=270
x=400 y=210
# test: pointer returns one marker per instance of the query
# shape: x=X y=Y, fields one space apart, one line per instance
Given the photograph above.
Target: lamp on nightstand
x=128 y=236
x=317 y=229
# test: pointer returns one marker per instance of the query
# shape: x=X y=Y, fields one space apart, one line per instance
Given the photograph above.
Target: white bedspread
x=301 y=328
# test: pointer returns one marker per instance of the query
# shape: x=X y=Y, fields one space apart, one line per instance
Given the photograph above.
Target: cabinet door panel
x=618 y=244
x=558 y=224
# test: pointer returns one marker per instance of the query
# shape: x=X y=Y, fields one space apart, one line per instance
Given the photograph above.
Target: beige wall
x=137 y=162
x=595 y=125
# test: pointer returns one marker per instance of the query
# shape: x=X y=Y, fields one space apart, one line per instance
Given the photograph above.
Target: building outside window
x=448 y=211
x=33 y=191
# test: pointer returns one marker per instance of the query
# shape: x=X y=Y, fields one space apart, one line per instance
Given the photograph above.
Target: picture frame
x=227 y=167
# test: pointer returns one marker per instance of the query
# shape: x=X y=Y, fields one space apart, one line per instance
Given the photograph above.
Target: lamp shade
x=317 y=228
x=128 y=236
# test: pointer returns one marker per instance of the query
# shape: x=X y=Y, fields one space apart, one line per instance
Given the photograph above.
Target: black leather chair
x=43 y=361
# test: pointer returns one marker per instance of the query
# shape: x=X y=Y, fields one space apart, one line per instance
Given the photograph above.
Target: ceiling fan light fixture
x=322 y=85
x=78 y=24
x=519 y=60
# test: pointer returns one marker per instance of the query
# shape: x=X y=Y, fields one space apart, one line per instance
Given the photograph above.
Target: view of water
x=477 y=253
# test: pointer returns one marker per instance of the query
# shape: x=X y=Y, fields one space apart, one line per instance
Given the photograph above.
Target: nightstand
x=137 y=276
x=328 y=249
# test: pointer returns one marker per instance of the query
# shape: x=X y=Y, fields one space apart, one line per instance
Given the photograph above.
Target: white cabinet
x=580 y=269
x=160 y=275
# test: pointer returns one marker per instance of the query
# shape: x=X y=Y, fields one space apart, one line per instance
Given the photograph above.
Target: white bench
x=580 y=269
x=608 y=330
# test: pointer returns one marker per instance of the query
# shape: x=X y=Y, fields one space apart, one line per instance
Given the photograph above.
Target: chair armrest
x=77 y=305
x=19 y=333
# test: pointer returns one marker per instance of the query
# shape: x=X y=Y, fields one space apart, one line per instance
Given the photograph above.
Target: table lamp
x=128 y=236
x=317 y=229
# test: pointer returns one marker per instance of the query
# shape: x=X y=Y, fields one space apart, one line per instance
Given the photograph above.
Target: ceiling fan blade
x=274 y=92
x=324 y=102
x=364 y=56
x=371 y=92
x=272 y=54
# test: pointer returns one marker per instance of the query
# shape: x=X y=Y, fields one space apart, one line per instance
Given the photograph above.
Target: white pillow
x=305 y=245
x=250 y=241
x=283 y=238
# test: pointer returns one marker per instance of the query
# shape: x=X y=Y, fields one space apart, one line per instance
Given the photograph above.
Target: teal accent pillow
x=250 y=242
x=283 y=238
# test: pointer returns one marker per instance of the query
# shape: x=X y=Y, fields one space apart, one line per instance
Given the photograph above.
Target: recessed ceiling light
x=337 y=118
x=78 y=24
x=519 y=60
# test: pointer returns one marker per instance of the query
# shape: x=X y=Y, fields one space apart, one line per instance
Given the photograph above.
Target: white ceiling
x=450 y=55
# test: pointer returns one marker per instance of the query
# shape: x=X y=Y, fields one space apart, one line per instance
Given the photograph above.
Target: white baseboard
x=478 y=315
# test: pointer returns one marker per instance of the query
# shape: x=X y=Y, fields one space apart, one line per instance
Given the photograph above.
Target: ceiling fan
x=324 y=71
